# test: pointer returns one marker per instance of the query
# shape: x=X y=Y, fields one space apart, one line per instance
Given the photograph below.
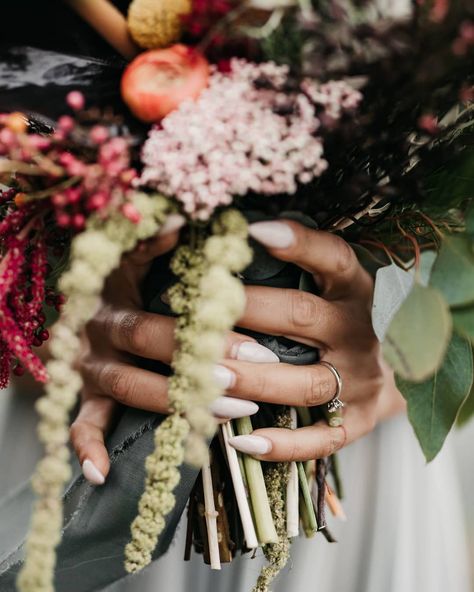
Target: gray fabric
x=97 y=519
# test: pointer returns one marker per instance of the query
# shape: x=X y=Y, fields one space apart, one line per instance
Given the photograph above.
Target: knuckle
x=303 y=309
x=317 y=388
x=344 y=256
x=75 y=432
x=119 y=384
x=132 y=331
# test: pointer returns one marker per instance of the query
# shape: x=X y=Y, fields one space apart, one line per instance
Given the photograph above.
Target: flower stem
x=308 y=516
x=265 y=527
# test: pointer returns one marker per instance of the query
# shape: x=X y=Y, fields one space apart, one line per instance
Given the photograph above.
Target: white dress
x=405 y=530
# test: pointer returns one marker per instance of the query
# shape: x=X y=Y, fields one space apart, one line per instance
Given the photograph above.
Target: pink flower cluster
x=246 y=133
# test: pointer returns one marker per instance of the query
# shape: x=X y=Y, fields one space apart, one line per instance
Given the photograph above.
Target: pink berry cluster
x=246 y=133
x=82 y=170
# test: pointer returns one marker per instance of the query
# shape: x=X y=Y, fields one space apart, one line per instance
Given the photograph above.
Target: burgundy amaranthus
x=59 y=181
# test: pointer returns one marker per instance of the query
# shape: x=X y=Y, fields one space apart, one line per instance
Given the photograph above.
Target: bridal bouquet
x=320 y=112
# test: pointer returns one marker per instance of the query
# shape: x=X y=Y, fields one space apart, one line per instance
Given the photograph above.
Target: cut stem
x=248 y=527
x=265 y=527
x=211 y=517
x=308 y=516
x=292 y=491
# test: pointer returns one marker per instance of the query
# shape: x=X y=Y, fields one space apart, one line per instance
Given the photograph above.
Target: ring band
x=335 y=403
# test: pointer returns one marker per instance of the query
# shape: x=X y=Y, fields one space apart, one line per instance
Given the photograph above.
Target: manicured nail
x=249 y=351
x=173 y=222
x=251 y=444
x=233 y=408
x=276 y=235
x=224 y=377
x=92 y=473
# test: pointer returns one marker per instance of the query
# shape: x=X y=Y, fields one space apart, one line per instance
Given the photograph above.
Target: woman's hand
x=120 y=331
x=338 y=323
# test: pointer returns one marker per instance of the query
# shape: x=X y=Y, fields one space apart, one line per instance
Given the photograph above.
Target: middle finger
x=295 y=314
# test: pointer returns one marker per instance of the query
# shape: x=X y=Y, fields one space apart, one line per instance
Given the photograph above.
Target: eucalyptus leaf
x=434 y=404
x=392 y=286
x=419 y=334
x=453 y=270
x=463 y=319
x=467 y=410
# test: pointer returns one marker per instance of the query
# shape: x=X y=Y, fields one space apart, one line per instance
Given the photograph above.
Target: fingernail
x=251 y=444
x=249 y=351
x=233 y=408
x=92 y=473
x=224 y=377
x=173 y=222
x=276 y=235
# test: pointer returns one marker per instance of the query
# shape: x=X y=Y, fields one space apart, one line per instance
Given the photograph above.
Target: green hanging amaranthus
x=208 y=300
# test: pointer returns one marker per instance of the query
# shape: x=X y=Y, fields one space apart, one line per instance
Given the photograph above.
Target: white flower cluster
x=244 y=134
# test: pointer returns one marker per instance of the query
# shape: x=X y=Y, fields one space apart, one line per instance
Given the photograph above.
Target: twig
x=109 y=22
x=239 y=489
x=334 y=504
x=319 y=488
x=211 y=517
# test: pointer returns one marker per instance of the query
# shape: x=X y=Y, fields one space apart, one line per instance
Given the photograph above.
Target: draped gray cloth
x=97 y=519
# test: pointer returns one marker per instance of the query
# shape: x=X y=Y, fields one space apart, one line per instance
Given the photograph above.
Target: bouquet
x=319 y=112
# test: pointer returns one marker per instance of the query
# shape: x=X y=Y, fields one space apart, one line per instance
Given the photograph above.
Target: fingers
x=294 y=314
x=160 y=244
x=282 y=384
x=151 y=336
x=87 y=437
x=308 y=443
x=126 y=384
x=328 y=257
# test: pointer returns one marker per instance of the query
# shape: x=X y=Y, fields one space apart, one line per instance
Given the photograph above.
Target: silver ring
x=335 y=403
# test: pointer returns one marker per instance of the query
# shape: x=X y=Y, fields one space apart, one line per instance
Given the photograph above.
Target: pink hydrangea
x=244 y=134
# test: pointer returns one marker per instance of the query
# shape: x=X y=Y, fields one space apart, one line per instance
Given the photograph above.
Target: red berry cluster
x=204 y=16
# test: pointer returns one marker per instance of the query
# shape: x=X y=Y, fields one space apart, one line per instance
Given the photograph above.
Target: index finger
x=328 y=257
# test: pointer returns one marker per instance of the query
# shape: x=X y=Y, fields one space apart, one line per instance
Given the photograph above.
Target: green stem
x=265 y=527
x=308 y=516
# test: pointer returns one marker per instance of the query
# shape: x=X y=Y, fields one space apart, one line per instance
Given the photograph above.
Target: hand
x=338 y=323
x=119 y=332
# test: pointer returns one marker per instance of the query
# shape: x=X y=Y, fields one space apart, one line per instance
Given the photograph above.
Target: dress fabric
x=405 y=529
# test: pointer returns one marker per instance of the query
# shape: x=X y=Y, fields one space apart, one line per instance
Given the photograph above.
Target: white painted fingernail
x=251 y=444
x=92 y=473
x=276 y=235
x=233 y=408
x=249 y=351
x=173 y=223
x=224 y=377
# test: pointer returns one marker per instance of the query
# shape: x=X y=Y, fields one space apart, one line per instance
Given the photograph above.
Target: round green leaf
x=419 y=334
x=453 y=270
x=463 y=319
x=433 y=405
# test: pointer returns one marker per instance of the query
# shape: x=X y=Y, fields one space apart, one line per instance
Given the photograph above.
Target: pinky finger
x=88 y=437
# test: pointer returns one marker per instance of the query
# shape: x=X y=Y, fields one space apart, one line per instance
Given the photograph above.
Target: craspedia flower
x=157 y=23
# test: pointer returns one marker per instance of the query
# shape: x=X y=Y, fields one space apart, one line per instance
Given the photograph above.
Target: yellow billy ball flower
x=157 y=23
